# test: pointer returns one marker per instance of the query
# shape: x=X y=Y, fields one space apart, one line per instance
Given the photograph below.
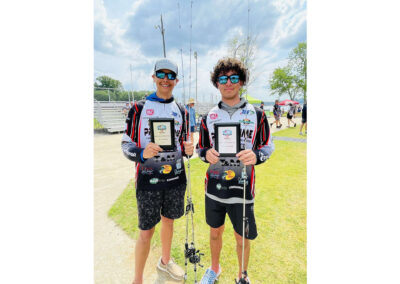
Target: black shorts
x=289 y=116
x=303 y=120
x=152 y=204
x=216 y=211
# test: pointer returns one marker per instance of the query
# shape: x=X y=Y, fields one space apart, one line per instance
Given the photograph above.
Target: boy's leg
x=142 y=249
x=239 y=247
x=216 y=246
x=167 y=229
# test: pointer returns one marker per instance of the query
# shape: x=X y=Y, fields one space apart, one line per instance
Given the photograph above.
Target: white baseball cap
x=166 y=64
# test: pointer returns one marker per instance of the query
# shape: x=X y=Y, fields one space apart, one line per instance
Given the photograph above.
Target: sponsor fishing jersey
x=224 y=180
x=167 y=169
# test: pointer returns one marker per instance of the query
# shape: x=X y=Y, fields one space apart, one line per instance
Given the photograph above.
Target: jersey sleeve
x=204 y=140
x=264 y=145
x=129 y=143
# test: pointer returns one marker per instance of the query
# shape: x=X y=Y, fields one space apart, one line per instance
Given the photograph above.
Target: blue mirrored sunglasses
x=161 y=75
x=224 y=79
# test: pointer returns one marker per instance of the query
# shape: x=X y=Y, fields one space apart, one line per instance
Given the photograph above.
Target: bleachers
x=110 y=115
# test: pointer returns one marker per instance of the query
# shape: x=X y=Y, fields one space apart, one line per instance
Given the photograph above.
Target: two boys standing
x=161 y=184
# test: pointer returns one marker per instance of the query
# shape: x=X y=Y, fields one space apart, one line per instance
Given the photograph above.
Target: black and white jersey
x=167 y=168
x=224 y=181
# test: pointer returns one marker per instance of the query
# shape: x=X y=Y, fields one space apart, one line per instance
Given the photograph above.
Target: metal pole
x=197 y=104
x=133 y=96
x=162 y=32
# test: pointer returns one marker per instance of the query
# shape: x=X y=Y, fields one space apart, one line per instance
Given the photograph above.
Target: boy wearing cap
x=160 y=175
x=224 y=182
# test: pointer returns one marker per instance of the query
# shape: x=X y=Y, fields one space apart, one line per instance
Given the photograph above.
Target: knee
x=216 y=233
x=167 y=221
x=146 y=235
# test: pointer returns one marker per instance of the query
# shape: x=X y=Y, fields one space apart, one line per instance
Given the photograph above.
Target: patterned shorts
x=151 y=204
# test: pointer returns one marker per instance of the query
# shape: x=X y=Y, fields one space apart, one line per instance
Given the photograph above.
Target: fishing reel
x=189 y=207
x=242 y=280
x=192 y=254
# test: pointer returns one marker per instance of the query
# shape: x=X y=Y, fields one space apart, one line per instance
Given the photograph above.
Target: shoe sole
x=170 y=274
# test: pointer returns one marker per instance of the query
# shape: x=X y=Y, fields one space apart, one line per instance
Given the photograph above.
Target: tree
x=292 y=79
x=244 y=49
x=108 y=82
x=298 y=65
x=282 y=82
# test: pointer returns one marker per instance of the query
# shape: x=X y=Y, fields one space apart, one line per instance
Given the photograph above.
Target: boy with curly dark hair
x=225 y=178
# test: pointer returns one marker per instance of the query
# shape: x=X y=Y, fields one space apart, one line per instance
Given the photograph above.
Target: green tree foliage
x=282 y=82
x=116 y=95
x=298 y=64
x=108 y=82
x=291 y=79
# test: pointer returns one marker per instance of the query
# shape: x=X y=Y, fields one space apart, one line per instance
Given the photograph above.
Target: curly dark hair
x=227 y=64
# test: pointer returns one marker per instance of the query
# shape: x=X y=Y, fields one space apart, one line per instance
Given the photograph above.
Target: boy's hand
x=188 y=148
x=151 y=150
x=247 y=157
x=212 y=156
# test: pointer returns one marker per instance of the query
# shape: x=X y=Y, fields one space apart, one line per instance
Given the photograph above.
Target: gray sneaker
x=173 y=269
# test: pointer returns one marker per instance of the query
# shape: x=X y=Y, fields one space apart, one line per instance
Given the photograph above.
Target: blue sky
x=125 y=33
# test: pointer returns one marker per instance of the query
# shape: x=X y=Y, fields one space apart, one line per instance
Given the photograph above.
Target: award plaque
x=227 y=139
x=163 y=133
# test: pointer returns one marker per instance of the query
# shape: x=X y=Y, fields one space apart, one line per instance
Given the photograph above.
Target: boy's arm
x=130 y=137
x=204 y=140
x=263 y=146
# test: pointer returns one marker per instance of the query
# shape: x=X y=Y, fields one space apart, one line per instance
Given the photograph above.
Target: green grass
x=97 y=124
x=278 y=254
x=292 y=132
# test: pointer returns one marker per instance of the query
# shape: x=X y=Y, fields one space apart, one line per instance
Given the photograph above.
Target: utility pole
x=133 y=96
x=162 y=33
x=197 y=104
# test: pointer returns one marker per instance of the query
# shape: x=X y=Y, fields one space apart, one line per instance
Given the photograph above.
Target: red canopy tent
x=287 y=102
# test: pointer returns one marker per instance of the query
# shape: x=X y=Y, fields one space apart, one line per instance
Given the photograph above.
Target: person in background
x=192 y=117
x=291 y=113
x=304 y=119
x=126 y=109
x=262 y=106
x=277 y=115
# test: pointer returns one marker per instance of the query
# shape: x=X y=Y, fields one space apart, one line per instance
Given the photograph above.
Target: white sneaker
x=173 y=269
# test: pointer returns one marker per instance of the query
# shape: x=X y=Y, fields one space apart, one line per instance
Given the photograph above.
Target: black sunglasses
x=161 y=75
x=224 y=79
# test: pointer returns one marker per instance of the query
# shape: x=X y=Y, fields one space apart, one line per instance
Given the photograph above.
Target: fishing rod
x=192 y=254
x=242 y=280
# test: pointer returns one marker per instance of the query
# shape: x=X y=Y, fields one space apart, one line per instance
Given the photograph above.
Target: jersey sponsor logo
x=228 y=175
x=174 y=113
x=178 y=172
x=178 y=165
x=236 y=187
x=146 y=131
x=243 y=180
x=213 y=115
x=246 y=133
x=214 y=174
x=246 y=111
x=165 y=169
x=170 y=179
x=177 y=123
x=262 y=157
x=220 y=187
x=150 y=111
x=154 y=180
x=147 y=171
x=246 y=121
